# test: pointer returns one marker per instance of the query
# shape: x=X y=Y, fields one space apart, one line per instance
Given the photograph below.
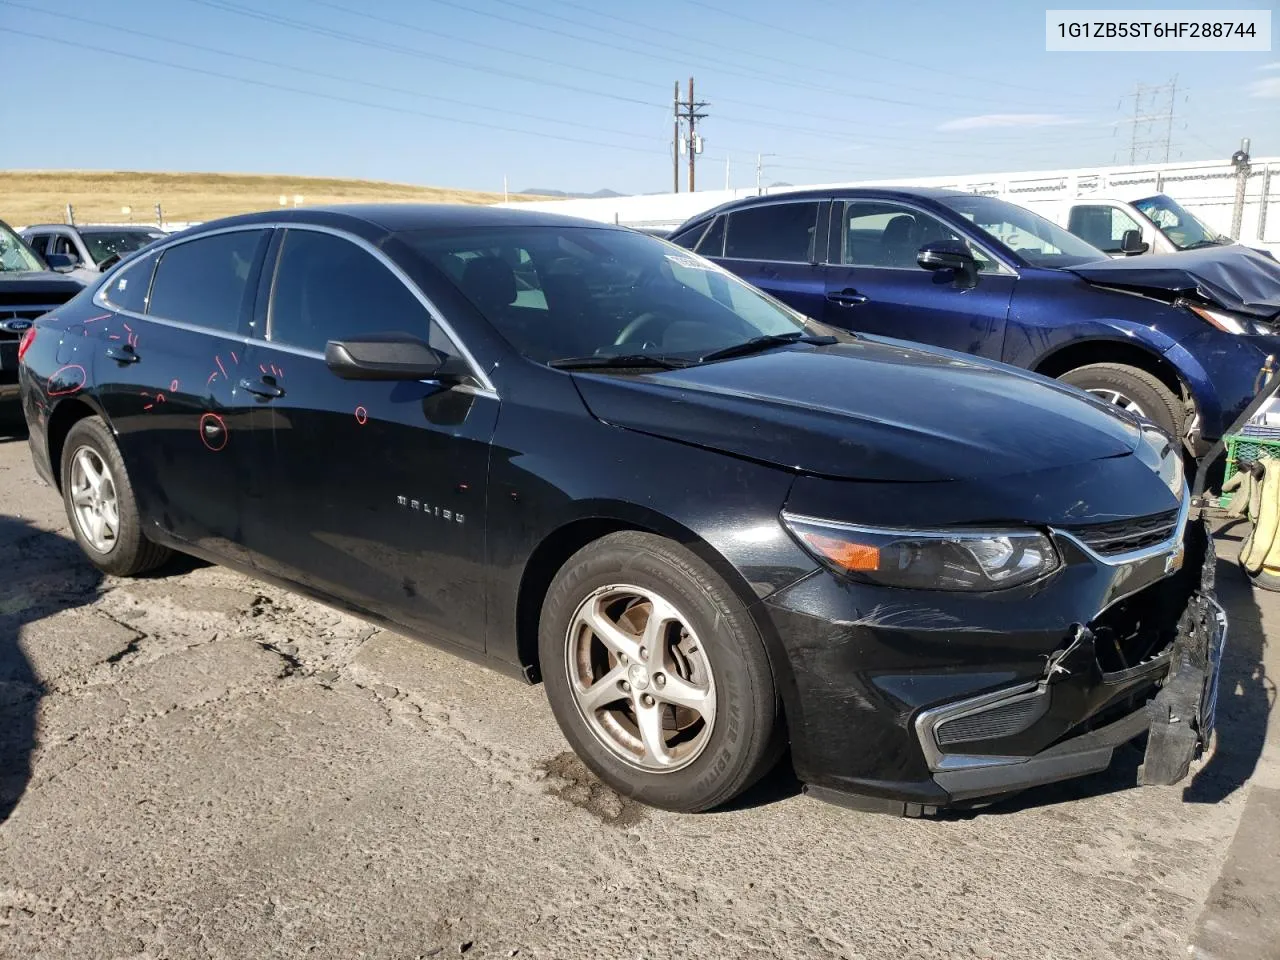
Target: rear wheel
x=1131 y=389
x=657 y=674
x=100 y=505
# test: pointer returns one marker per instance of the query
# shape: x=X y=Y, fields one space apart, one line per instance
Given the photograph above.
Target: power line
x=411 y=51
x=327 y=76
x=323 y=96
x=791 y=64
x=347 y=36
x=811 y=38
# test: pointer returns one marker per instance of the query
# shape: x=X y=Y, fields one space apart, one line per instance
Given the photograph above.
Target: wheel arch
x=599 y=520
x=62 y=418
x=1080 y=353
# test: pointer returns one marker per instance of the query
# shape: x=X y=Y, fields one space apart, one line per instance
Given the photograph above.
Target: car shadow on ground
x=45 y=573
x=1246 y=696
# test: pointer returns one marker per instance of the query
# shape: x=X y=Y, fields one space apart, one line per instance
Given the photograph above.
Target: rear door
x=370 y=492
x=776 y=246
x=874 y=285
x=167 y=378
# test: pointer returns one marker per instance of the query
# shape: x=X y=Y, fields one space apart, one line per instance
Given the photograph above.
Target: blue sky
x=576 y=94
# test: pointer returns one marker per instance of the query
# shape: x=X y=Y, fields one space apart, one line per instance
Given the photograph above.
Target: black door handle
x=262 y=388
x=122 y=354
x=848 y=297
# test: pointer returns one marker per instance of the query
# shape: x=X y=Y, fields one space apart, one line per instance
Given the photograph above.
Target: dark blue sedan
x=1179 y=339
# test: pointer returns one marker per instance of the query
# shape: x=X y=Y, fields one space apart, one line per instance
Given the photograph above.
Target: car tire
x=712 y=655
x=123 y=551
x=1156 y=401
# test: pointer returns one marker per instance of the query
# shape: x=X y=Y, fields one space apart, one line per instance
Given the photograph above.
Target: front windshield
x=16 y=256
x=568 y=292
x=1040 y=242
x=102 y=244
x=1181 y=227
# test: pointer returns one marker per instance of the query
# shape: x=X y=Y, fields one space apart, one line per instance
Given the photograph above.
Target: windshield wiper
x=1215 y=242
x=768 y=341
x=619 y=361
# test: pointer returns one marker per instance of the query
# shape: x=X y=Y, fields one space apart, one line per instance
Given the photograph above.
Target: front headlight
x=1227 y=322
x=1161 y=454
x=975 y=561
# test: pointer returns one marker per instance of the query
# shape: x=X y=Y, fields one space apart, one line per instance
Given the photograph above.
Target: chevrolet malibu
x=713 y=528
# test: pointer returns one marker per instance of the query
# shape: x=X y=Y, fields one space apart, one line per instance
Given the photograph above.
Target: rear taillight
x=27 y=340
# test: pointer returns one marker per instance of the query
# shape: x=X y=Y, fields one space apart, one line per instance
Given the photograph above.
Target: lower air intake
x=1001 y=720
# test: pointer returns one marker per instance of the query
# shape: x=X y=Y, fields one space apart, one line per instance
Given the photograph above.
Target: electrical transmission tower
x=1152 y=121
x=690 y=111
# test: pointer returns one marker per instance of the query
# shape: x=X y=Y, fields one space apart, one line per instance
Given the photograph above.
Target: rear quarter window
x=127 y=290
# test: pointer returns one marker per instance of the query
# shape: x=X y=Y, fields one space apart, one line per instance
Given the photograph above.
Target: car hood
x=873 y=409
x=33 y=286
x=1235 y=277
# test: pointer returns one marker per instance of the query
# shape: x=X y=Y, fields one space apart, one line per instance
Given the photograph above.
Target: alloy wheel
x=93 y=499
x=640 y=678
x=1116 y=398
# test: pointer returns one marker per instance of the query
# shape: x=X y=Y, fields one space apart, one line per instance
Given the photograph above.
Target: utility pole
x=690 y=112
x=675 y=141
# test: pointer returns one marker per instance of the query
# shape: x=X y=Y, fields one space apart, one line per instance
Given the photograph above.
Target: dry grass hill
x=37 y=196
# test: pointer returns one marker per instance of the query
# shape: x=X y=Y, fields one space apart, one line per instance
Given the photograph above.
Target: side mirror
x=61 y=262
x=1131 y=243
x=392 y=356
x=952 y=255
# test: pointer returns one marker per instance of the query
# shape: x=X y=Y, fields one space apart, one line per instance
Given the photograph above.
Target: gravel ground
x=200 y=765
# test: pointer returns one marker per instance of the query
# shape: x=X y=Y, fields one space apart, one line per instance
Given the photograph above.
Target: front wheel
x=657 y=674
x=1131 y=389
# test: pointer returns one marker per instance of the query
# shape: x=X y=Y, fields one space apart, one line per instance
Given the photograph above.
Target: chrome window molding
x=486 y=387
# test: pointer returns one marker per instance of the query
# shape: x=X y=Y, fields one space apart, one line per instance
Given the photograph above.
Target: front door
x=167 y=378
x=372 y=492
x=874 y=285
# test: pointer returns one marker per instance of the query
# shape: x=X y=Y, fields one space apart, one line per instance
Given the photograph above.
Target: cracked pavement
x=196 y=764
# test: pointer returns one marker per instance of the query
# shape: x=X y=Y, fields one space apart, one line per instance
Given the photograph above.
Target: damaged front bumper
x=1180 y=716
x=875 y=736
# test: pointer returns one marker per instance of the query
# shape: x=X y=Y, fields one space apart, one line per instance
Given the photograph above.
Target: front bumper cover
x=1113 y=707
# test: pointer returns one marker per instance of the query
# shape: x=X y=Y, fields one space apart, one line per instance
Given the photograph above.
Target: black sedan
x=713 y=527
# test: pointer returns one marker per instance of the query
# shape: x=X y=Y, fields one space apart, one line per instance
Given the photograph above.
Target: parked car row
x=1180 y=339
x=717 y=527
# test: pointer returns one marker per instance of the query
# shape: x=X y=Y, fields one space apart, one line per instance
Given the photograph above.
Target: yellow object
x=1259 y=501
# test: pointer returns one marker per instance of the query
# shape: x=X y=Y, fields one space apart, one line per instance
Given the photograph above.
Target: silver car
x=93 y=248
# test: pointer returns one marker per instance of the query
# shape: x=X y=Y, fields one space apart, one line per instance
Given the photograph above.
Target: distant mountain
x=599 y=194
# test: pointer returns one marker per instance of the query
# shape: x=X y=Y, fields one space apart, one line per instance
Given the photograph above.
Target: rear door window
x=328 y=288
x=778 y=232
x=205 y=282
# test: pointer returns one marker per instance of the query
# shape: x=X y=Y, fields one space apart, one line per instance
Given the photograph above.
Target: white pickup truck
x=1124 y=222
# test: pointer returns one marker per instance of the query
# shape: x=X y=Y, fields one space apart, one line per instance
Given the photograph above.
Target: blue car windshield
x=1038 y=241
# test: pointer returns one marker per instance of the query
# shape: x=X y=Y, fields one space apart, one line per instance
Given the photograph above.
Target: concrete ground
x=199 y=765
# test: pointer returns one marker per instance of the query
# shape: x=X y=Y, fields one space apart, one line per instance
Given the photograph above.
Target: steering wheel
x=637 y=324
